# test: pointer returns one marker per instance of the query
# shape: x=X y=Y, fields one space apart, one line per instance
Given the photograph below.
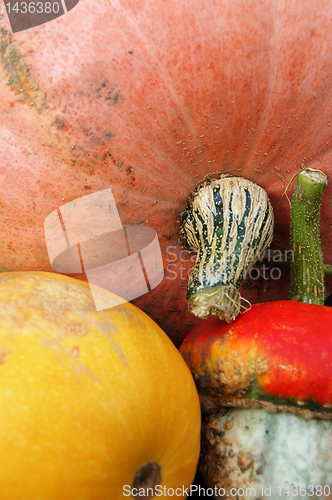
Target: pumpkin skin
x=276 y=356
x=87 y=398
x=147 y=99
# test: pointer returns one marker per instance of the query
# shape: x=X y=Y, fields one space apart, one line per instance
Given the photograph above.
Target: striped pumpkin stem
x=229 y=223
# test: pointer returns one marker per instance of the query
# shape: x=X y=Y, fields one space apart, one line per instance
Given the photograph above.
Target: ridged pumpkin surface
x=87 y=398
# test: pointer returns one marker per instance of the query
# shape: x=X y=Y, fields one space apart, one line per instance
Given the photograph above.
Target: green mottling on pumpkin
x=19 y=76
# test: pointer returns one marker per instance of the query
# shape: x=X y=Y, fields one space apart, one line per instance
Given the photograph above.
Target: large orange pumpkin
x=94 y=405
x=147 y=98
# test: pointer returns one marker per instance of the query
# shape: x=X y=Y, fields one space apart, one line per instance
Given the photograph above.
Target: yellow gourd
x=92 y=404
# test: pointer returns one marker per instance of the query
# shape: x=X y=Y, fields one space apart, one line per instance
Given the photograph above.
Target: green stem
x=307 y=273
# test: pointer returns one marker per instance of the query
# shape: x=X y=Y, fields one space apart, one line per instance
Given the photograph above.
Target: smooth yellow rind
x=87 y=397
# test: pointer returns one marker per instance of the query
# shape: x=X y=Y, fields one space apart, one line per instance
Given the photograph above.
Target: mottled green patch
x=58 y=123
x=110 y=93
x=19 y=76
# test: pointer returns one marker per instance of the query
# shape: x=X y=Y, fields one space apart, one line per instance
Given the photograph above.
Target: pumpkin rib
x=163 y=73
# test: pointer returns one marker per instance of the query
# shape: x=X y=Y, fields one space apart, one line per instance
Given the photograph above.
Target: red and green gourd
x=265 y=381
